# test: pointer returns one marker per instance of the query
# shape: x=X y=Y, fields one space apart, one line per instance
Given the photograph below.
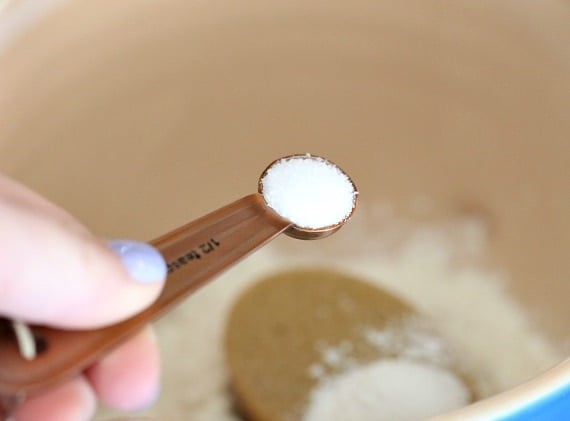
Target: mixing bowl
x=138 y=116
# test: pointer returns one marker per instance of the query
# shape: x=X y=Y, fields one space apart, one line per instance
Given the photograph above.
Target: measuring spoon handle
x=195 y=253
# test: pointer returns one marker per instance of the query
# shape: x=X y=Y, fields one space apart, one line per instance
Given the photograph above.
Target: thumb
x=54 y=272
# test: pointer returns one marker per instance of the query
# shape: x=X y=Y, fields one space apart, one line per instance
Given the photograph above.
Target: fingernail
x=143 y=262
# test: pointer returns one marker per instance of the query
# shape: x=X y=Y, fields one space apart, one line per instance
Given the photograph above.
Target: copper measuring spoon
x=195 y=254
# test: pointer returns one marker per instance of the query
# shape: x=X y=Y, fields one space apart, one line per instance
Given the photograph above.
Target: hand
x=54 y=272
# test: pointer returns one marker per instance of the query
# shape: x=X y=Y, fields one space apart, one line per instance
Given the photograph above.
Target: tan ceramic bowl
x=138 y=116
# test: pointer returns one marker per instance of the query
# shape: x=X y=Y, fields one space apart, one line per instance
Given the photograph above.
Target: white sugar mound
x=309 y=191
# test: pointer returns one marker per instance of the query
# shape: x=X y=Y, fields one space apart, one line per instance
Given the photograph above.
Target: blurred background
x=138 y=116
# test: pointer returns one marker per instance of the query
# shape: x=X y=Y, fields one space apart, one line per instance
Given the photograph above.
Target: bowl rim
x=550 y=388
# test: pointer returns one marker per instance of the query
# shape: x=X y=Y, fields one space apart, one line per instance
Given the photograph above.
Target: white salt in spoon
x=315 y=195
x=294 y=192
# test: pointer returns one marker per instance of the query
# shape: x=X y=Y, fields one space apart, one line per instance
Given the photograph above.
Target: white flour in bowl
x=433 y=266
x=387 y=390
x=413 y=380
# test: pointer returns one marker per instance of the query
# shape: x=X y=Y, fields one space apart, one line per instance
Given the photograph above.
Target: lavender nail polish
x=143 y=262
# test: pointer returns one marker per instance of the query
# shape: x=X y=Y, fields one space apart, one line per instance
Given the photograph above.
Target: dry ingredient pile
x=387 y=390
x=309 y=344
x=309 y=191
x=434 y=266
x=415 y=383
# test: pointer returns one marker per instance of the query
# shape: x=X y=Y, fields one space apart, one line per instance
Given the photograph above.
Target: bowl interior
x=140 y=116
